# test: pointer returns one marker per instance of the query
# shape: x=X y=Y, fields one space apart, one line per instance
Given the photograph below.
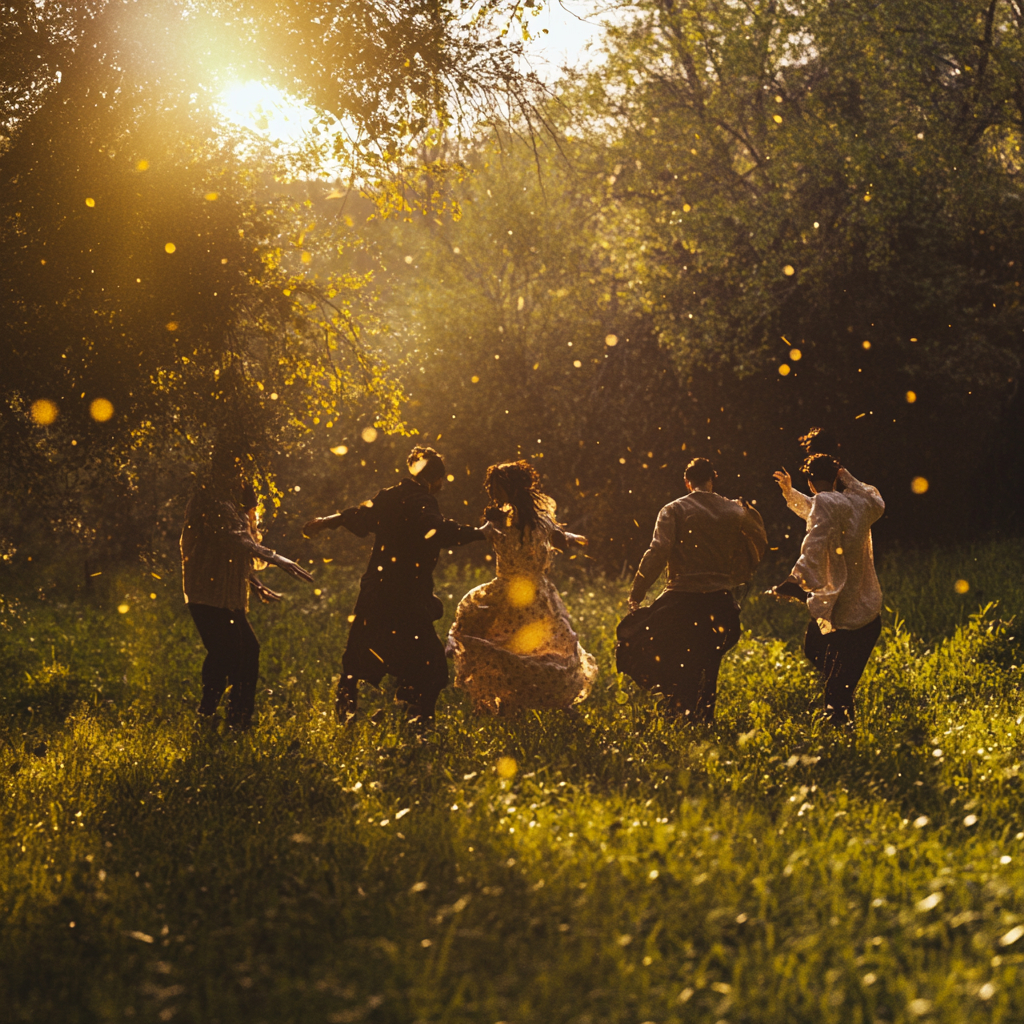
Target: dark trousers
x=232 y=659
x=407 y=649
x=840 y=657
x=688 y=635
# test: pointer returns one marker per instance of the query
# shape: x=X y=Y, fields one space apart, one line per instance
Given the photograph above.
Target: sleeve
x=231 y=525
x=852 y=484
x=430 y=523
x=361 y=520
x=656 y=556
x=453 y=534
x=811 y=567
x=757 y=538
x=799 y=502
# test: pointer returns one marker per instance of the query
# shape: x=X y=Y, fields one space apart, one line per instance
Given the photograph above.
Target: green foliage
x=769 y=870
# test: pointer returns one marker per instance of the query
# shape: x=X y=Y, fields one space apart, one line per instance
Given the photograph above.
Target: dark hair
x=425 y=464
x=700 y=472
x=521 y=484
x=819 y=441
x=820 y=467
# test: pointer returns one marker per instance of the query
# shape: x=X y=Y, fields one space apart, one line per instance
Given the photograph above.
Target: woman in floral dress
x=513 y=643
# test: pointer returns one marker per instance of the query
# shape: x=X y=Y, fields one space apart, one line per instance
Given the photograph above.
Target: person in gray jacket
x=709 y=545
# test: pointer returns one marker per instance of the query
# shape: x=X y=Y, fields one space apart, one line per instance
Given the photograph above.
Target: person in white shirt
x=835 y=574
x=709 y=545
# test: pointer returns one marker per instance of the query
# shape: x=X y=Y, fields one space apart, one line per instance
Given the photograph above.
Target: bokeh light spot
x=784 y=370
x=919 y=485
x=521 y=591
x=211 y=196
x=122 y=609
x=796 y=355
x=788 y=270
x=339 y=449
x=506 y=767
x=369 y=434
x=170 y=247
x=173 y=325
x=101 y=409
x=527 y=639
x=611 y=340
x=865 y=345
x=142 y=165
x=43 y=412
x=961 y=586
x=90 y=202
x=911 y=397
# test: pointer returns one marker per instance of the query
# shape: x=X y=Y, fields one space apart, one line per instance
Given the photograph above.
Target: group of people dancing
x=512 y=641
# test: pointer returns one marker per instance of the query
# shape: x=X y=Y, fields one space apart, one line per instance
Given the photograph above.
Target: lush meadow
x=600 y=868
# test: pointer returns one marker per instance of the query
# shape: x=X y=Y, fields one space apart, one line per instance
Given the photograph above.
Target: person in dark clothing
x=392 y=632
x=220 y=547
x=709 y=545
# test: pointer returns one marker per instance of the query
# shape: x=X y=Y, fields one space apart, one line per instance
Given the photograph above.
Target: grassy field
x=609 y=868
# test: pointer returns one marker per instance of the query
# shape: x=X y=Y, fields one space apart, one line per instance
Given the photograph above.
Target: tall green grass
x=628 y=870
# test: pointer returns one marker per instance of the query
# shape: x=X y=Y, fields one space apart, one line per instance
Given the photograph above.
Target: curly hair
x=521 y=485
x=820 y=441
x=820 y=467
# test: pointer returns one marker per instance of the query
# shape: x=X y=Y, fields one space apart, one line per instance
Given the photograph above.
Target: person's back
x=713 y=543
x=710 y=545
x=408 y=534
x=837 y=559
x=835 y=574
x=392 y=628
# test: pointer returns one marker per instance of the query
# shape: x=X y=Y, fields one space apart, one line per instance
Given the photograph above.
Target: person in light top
x=835 y=575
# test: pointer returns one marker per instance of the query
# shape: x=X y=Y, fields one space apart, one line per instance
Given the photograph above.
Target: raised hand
x=784 y=480
x=293 y=569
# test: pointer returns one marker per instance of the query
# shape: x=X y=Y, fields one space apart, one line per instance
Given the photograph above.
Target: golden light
x=527 y=639
x=142 y=165
x=796 y=355
x=784 y=370
x=90 y=202
x=521 y=591
x=611 y=340
x=339 y=449
x=170 y=247
x=687 y=207
x=919 y=485
x=172 y=326
x=122 y=609
x=777 y=118
x=577 y=363
x=101 y=409
x=474 y=380
x=911 y=397
x=961 y=586
x=506 y=767
x=211 y=196
x=788 y=270
x=369 y=434
x=865 y=345
x=43 y=412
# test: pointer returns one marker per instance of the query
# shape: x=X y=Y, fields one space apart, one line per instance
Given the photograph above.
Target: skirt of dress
x=515 y=648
